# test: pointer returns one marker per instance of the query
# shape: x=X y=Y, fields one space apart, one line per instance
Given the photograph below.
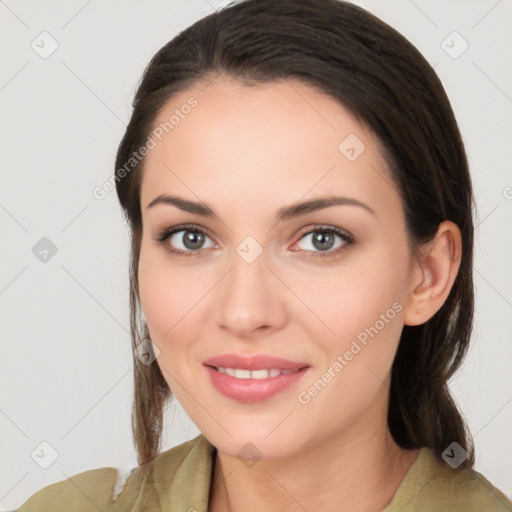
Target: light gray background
x=66 y=362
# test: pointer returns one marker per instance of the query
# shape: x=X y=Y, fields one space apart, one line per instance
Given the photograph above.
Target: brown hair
x=387 y=85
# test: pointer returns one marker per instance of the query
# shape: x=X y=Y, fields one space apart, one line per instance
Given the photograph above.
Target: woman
x=301 y=273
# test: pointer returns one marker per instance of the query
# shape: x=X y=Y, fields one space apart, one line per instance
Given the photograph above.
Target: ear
x=433 y=274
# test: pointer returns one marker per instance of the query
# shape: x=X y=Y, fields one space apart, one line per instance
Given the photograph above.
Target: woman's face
x=323 y=288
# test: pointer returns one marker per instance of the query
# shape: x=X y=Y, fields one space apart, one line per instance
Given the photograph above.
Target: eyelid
x=164 y=234
x=348 y=239
x=343 y=233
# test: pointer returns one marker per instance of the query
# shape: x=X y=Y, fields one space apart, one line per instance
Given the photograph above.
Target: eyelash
x=345 y=236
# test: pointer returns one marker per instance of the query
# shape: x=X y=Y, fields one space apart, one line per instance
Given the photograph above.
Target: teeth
x=259 y=374
x=242 y=374
x=254 y=374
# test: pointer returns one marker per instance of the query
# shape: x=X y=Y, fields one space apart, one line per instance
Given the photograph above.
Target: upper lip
x=254 y=362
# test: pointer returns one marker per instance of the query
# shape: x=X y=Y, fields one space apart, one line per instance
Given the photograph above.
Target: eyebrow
x=284 y=213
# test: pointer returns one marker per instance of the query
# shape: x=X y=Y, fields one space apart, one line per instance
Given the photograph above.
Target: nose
x=250 y=299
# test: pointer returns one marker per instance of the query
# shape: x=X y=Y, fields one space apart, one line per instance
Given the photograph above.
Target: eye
x=189 y=240
x=323 y=240
x=184 y=240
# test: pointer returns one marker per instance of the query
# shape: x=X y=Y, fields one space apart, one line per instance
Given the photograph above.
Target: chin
x=253 y=448
x=255 y=439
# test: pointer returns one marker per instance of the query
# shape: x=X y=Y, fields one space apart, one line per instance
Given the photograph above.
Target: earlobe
x=433 y=274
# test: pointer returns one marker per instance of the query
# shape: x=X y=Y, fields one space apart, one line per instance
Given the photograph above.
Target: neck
x=353 y=471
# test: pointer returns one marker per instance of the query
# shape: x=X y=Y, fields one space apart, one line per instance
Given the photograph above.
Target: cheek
x=166 y=293
x=362 y=307
x=365 y=292
x=175 y=301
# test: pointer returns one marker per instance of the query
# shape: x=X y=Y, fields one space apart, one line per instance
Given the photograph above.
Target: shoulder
x=85 y=491
x=468 y=490
x=431 y=484
x=144 y=487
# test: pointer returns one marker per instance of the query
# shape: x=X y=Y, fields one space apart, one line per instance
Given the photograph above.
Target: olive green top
x=179 y=479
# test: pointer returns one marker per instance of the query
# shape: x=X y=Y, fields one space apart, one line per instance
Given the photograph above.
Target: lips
x=252 y=374
x=252 y=379
x=256 y=362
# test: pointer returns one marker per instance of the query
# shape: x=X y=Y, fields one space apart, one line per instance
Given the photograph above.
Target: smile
x=251 y=386
x=239 y=373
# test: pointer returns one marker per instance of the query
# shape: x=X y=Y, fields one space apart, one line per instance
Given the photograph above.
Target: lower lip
x=253 y=390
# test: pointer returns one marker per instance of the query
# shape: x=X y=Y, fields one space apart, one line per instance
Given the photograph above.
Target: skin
x=246 y=152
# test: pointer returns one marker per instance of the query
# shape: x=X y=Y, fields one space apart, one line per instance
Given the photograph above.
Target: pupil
x=323 y=240
x=193 y=239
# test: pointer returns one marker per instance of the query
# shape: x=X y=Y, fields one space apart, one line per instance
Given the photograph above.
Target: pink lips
x=250 y=390
x=258 y=362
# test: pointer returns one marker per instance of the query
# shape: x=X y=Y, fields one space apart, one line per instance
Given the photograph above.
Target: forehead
x=278 y=140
